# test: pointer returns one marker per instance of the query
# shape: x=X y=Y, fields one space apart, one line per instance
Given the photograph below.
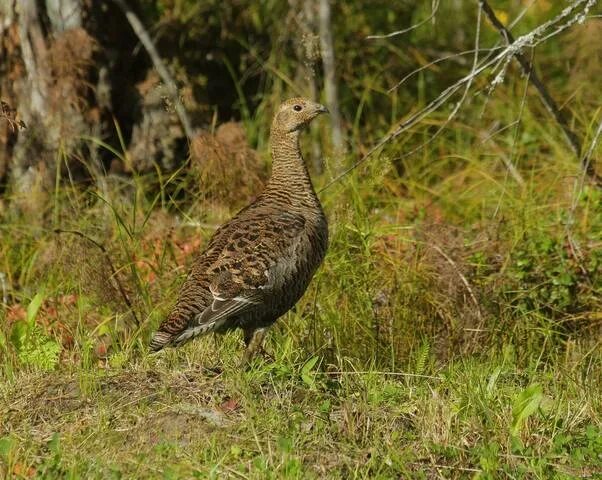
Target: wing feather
x=243 y=275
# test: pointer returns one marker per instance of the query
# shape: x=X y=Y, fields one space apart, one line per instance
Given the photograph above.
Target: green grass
x=452 y=332
x=386 y=369
x=169 y=417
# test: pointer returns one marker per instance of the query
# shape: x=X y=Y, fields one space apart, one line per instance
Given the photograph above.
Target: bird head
x=296 y=113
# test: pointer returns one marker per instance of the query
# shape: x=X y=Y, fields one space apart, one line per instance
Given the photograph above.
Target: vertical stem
x=162 y=70
x=330 y=85
x=309 y=40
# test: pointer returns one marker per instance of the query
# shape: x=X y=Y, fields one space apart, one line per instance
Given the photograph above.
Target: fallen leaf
x=15 y=313
x=230 y=405
x=21 y=470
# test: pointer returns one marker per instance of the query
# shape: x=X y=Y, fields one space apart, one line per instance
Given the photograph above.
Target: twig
x=114 y=275
x=148 y=44
x=527 y=67
x=434 y=8
x=447 y=56
x=531 y=39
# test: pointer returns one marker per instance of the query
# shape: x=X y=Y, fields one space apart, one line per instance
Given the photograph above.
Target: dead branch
x=162 y=70
x=568 y=17
x=527 y=67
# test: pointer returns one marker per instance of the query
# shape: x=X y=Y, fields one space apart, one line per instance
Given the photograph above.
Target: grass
x=172 y=418
x=452 y=332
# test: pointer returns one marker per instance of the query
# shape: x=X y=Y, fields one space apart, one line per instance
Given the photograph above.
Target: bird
x=258 y=264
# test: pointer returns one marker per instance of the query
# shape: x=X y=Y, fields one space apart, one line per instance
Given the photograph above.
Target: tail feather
x=160 y=339
x=192 y=332
x=163 y=339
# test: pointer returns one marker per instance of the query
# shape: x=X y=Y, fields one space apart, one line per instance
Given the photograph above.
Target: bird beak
x=322 y=109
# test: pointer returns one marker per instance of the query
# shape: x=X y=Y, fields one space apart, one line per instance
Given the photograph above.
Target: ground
x=171 y=416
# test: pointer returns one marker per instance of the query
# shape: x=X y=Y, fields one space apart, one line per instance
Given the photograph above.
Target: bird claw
x=249 y=357
x=267 y=356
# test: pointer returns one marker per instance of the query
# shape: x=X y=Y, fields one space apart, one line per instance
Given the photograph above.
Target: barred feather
x=258 y=264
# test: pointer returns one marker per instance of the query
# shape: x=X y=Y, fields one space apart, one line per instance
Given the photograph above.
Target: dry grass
x=229 y=171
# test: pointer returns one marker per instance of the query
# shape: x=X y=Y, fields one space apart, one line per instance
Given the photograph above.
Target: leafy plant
x=526 y=404
x=308 y=375
x=422 y=357
x=33 y=345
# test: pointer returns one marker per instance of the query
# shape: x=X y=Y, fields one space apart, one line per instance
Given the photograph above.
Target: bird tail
x=160 y=339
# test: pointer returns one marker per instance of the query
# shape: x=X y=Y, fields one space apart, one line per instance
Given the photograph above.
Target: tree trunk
x=330 y=82
x=308 y=53
x=32 y=154
x=45 y=78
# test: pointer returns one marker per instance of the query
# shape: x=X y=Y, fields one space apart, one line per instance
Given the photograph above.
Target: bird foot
x=267 y=356
x=250 y=356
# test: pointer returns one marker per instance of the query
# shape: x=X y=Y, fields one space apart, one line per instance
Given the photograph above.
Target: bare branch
x=434 y=9
x=526 y=66
x=504 y=55
x=457 y=57
x=172 y=88
x=451 y=56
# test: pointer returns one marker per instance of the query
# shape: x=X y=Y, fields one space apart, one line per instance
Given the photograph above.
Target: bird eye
x=297 y=108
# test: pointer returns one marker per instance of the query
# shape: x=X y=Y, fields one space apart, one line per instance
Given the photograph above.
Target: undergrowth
x=453 y=331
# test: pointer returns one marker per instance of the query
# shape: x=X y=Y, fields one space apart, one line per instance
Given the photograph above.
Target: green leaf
x=54 y=445
x=33 y=307
x=421 y=357
x=325 y=407
x=18 y=334
x=34 y=347
x=307 y=375
x=6 y=447
x=526 y=404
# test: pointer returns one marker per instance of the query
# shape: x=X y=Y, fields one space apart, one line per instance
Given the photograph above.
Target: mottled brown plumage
x=258 y=264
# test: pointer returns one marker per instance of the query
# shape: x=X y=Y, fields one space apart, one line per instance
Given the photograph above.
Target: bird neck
x=290 y=177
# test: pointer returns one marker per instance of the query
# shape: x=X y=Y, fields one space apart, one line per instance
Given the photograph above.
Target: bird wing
x=253 y=256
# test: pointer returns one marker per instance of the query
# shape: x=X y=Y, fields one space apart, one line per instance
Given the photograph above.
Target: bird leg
x=254 y=342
